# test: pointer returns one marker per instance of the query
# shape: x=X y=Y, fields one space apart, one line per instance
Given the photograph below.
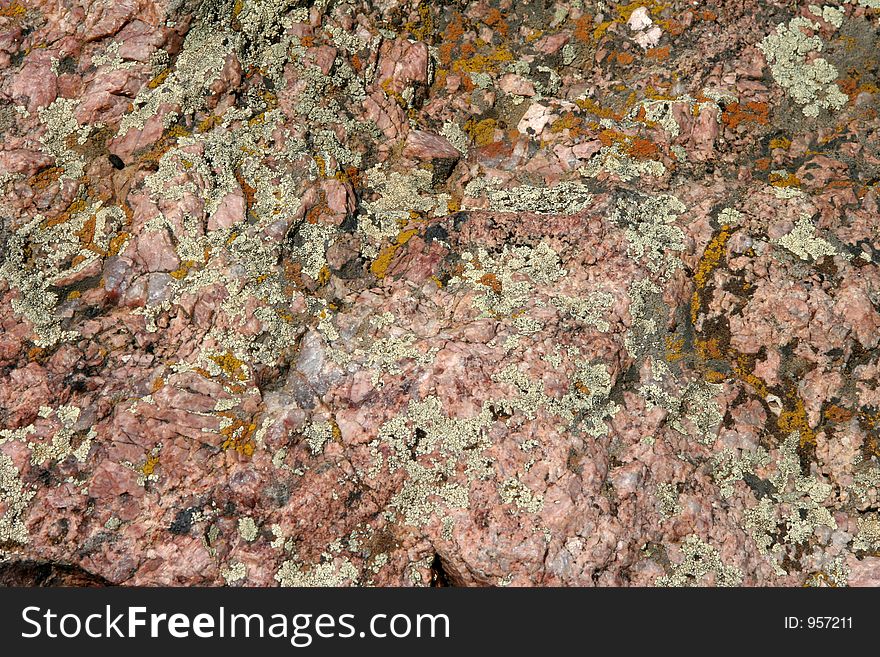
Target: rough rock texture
x=414 y=293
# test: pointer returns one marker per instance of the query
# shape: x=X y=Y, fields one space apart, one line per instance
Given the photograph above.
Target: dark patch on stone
x=183 y=521
x=33 y=573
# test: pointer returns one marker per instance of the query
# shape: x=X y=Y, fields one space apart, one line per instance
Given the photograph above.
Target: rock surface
x=406 y=293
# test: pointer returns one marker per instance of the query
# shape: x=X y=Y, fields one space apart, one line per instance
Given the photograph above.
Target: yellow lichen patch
x=483 y=62
x=183 y=270
x=13 y=10
x=238 y=435
x=231 y=366
x=674 y=347
x=380 y=265
x=793 y=417
x=482 y=132
x=601 y=28
x=779 y=179
x=780 y=142
x=743 y=370
x=116 y=243
x=150 y=465
x=209 y=123
x=159 y=79
x=708 y=262
x=324 y=275
x=73 y=295
x=335 y=431
x=423 y=28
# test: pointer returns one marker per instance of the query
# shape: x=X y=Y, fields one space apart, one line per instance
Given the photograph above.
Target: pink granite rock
x=494 y=295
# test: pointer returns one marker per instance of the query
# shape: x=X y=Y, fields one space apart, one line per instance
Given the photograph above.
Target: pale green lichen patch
x=317 y=435
x=805 y=244
x=15 y=497
x=868 y=536
x=248 y=529
x=513 y=491
x=503 y=283
x=796 y=506
x=812 y=84
x=614 y=160
x=431 y=448
x=62 y=125
x=233 y=573
x=667 y=500
x=701 y=565
x=585 y=405
x=325 y=574
x=563 y=198
x=43 y=252
x=650 y=228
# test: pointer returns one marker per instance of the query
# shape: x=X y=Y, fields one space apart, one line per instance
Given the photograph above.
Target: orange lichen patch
x=750 y=112
x=86 y=234
x=660 y=53
x=674 y=348
x=642 y=149
x=482 y=132
x=150 y=465
x=836 y=414
x=636 y=147
x=159 y=79
x=75 y=207
x=182 y=271
x=44 y=178
x=159 y=383
x=491 y=281
x=582 y=28
x=13 y=10
x=710 y=259
x=238 y=435
x=495 y=20
x=581 y=388
x=783 y=180
x=707 y=15
x=763 y=163
x=231 y=366
x=250 y=193
x=624 y=58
